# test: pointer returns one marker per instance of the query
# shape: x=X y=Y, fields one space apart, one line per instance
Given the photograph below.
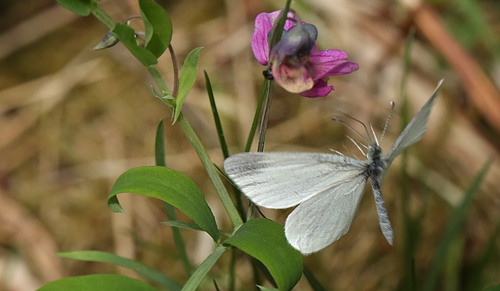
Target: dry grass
x=72 y=120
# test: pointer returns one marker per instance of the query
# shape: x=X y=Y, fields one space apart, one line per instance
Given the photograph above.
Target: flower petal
x=320 y=89
x=263 y=24
x=330 y=63
x=294 y=79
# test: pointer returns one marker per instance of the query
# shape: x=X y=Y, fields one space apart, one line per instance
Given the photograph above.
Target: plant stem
x=212 y=172
x=265 y=86
x=176 y=69
x=158 y=80
x=100 y=14
x=200 y=273
x=264 y=119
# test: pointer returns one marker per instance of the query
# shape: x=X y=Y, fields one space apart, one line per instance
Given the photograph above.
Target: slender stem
x=265 y=86
x=232 y=271
x=100 y=14
x=159 y=80
x=176 y=70
x=264 y=119
x=212 y=172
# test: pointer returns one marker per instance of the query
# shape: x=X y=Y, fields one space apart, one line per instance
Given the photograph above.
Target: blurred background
x=72 y=120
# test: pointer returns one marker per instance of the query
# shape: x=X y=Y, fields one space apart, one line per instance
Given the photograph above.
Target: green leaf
x=97 y=282
x=80 y=7
x=126 y=35
x=265 y=240
x=160 y=145
x=453 y=229
x=200 y=273
x=145 y=271
x=186 y=79
x=170 y=186
x=157 y=25
x=266 y=288
x=181 y=224
x=218 y=124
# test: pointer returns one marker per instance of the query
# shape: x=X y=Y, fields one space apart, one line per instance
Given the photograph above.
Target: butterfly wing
x=280 y=180
x=324 y=218
x=412 y=133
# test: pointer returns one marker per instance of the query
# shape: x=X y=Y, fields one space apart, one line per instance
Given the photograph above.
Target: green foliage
x=157 y=25
x=453 y=229
x=169 y=186
x=146 y=272
x=265 y=240
x=126 y=36
x=200 y=273
x=186 y=79
x=80 y=7
x=98 y=282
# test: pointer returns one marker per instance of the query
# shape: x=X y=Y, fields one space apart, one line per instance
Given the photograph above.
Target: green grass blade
x=409 y=225
x=97 y=282
x=218 y=125
x=182 y=224
x=200 y=273
x=453 y=229
x=169 y=208
x=145 y=271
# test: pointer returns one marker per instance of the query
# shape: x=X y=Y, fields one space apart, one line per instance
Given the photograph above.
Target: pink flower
x=295 y=63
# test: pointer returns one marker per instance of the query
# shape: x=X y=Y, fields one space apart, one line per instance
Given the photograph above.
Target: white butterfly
x=326 y=187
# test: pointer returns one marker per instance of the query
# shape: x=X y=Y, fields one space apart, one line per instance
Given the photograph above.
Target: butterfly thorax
x=374 y=160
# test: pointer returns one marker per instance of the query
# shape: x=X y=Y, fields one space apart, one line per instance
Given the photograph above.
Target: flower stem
x=264 y=119
x=265 y=87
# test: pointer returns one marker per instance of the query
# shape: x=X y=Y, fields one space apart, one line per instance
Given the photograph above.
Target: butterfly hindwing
x=324 y=218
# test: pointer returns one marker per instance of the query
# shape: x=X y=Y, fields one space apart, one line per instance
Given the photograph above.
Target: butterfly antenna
x=374 y=135
x=347 y=149
x=387 y=120
x=351 y=128
x=337 y=152
x=356 y=144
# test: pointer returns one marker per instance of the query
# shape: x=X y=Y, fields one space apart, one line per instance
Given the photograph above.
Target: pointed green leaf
x=145 y=271
x=200 y=273
x=186 y=79
x=182 y=224
x=97 y=282
x=80 y=7
x=126 y=36
x=265 y=240
x=160 y=145
x=157 y=25
x=170 y=186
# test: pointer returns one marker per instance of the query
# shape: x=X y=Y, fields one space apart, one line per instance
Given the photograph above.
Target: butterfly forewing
x=412 y=133
x=281 y=180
